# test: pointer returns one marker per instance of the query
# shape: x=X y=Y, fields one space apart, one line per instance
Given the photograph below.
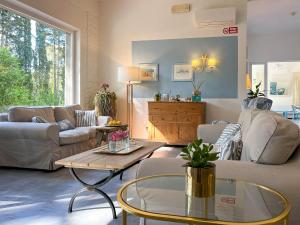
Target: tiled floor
x=29 y=197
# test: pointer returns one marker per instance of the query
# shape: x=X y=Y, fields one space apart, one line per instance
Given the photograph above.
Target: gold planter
x=200 y=182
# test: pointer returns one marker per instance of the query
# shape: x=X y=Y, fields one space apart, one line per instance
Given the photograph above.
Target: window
x=32 y=62
x=258 y=75
x=282 y=78
x=281 y=83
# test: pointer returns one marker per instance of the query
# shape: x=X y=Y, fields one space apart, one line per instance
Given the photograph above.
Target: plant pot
x=200 y=182
x=196 y=98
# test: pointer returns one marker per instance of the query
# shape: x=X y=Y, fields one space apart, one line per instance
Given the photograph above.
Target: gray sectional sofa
x=278 y=138
x=26 y=144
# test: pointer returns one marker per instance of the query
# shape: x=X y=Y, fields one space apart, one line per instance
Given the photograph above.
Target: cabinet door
x=187 y=133
x=166 y=132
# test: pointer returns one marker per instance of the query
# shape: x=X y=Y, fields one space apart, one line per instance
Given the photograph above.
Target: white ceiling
x=273 y=16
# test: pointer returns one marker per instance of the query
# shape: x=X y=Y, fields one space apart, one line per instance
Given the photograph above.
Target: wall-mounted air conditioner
x=218 y=17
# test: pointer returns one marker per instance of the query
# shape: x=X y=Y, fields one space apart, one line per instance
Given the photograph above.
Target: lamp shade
x=130 y=74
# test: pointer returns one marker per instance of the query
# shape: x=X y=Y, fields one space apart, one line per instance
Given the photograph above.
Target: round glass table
x=235 y=202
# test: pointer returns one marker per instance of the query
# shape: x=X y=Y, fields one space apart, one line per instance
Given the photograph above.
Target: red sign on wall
x=230 y=30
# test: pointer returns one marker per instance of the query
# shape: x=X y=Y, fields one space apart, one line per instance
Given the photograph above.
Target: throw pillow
x=85 y=118
x=229 y=143
x=65 y=125
x=38 y=119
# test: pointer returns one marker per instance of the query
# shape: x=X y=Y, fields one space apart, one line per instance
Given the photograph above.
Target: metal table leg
x=95 y=188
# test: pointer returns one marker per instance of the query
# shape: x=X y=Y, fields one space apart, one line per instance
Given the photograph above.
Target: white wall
x=84 y=16
x=122 y=22
x=274 y=47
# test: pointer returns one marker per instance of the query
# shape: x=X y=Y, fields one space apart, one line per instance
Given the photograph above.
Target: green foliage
x=105 y=102
x=256 y=93
x=13 y=80
x=32 y=63
x=198 y=154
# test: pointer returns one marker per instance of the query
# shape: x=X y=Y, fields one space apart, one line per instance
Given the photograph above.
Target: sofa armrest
x=3 y=117
x=25 y=130
x=160 y=166
x=210 y=133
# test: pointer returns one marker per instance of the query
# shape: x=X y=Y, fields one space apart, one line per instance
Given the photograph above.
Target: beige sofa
x=38 y=145
x=284 y=177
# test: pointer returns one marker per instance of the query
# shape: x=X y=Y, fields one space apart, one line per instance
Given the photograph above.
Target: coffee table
x=235 y=202
x=113 y=163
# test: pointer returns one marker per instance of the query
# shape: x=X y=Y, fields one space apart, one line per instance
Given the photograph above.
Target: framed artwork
x=148 y=72
x=182 y=72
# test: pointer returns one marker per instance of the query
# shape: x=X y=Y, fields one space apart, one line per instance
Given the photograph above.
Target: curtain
x=296 y=89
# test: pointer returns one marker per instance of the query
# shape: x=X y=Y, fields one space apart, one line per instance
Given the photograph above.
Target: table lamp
x=129 y=75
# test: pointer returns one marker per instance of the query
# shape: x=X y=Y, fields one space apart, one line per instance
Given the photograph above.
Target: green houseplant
x=252 y=94
x=255 y=93
x=197 y=91
x=200 y=171
x=105 y=102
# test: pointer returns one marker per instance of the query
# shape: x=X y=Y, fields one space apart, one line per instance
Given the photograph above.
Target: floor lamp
x=129 y=75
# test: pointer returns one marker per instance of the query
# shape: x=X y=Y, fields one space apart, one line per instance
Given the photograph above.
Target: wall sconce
x=204 y=63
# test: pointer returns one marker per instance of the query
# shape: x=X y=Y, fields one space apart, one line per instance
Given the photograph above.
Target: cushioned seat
x=79 y=134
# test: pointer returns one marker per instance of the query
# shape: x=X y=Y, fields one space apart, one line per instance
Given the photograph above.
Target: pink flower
x=118 y=135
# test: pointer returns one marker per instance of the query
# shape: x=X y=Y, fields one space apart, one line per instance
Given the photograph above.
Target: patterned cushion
x=85 y=118
x=65 y=125
x=39 y=119
x=260 y=103
x=230 y=143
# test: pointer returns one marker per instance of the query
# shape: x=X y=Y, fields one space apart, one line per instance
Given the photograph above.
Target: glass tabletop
x=234 y=201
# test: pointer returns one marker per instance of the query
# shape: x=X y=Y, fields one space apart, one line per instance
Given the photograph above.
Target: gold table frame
x=126 y=208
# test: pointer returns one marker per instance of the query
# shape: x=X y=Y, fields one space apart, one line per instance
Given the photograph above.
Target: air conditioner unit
x=218 y=17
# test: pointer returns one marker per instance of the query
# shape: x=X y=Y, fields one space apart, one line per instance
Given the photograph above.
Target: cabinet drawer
x=189 y=118
x=163 y=118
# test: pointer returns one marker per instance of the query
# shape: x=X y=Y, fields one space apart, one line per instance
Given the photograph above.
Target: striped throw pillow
x=230 y=142
x=85 y=118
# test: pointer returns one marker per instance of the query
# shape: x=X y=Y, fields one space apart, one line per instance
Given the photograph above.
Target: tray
x=133 y=147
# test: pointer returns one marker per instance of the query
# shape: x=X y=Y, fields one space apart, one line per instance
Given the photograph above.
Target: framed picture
x=148 y=72
x=182 y=72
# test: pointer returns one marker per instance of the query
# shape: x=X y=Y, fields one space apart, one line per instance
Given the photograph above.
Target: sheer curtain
x=296 y=89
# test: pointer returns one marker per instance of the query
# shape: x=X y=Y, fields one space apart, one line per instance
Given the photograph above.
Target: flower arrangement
x=105 y=102
x=118 y=140
x=119 y=135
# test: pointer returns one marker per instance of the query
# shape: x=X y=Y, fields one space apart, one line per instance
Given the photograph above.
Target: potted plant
x=197 y=91
x=105 y=102
x=157 y=97
x=252 y=94
x=200 y=171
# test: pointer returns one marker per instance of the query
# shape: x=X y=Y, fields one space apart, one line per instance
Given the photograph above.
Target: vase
x=200 y=182
x=196 y=98
x=119 y=145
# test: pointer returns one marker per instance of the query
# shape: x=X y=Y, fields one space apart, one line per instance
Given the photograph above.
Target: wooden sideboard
x=175 y=122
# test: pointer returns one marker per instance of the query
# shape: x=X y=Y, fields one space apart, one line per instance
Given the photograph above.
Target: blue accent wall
x=221 y=83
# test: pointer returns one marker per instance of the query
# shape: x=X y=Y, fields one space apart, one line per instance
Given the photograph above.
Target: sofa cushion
x=271 y=139
x=38 y=119
x=66 y=113
x=79 y=134
x=65 y=125
x=230 y=143
x=25 y=114
x=245 y=120
x=85 y=118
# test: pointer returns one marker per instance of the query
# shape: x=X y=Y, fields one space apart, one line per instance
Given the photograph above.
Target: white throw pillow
x=271 y=139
